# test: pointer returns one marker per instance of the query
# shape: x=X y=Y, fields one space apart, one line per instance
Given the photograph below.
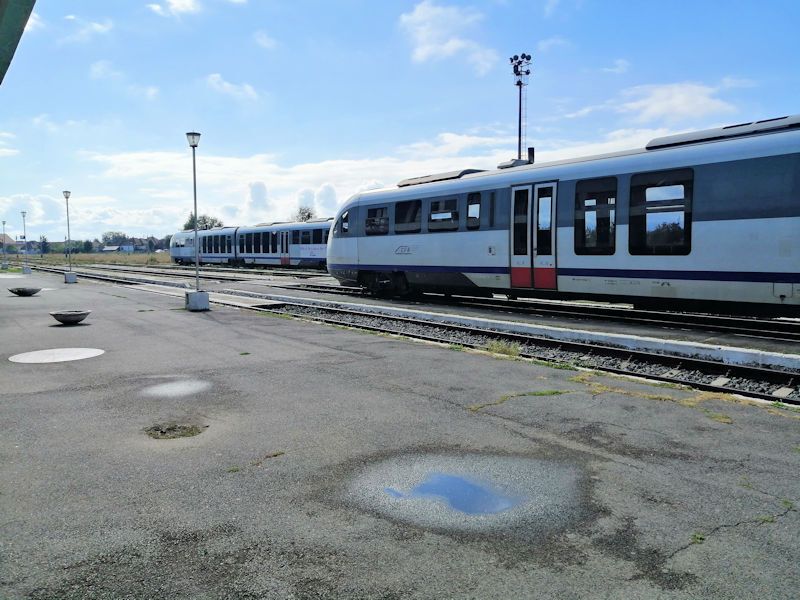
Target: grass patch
x=274 y=315
x=787 y=504
x=234 y=469
x=505 y=348
x=477 y=407
x=244 y=354
x=171 y=431
x=718 y=417
x=456 y=347
x=763 y=519
x=146 y=310
x=783 y=406
x=698 y=538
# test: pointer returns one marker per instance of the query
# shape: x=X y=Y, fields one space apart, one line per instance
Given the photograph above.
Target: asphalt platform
x=333 y=463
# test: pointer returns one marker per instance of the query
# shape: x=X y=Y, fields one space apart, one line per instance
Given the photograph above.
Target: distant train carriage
x=181 y=247
x=710 y=216
x=274 y=244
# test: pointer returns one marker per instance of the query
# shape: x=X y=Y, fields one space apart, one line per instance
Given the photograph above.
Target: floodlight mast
x=520 y=64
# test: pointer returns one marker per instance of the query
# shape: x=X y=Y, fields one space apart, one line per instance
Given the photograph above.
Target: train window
x=316 y=236
x=408 y=216
x=215 y=244
x=521 y=222
x=274 y=242
x=296 y=236
x=474 y=210
x=444 y=215
x=544 y=207
x=377 y=222
x=595 y=216
x=305 y=236
x=203 y=245
x=661 y=212
x=241 y=244
x=491 y=210
x=248 y=243
x=342 y=226
x=325 y=233
x=229 y=244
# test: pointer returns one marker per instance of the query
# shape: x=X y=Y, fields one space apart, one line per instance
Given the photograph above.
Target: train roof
x=730 y=142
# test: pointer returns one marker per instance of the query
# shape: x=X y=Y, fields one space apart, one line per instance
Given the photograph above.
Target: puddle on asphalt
x=176 y=389
x=471 y=492
x=460 y=494
x=54 y=355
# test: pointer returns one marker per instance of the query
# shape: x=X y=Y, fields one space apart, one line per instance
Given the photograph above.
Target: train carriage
x=269 y=244
x=710 y=216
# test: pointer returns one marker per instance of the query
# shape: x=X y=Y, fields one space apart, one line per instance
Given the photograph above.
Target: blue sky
x=308 y=102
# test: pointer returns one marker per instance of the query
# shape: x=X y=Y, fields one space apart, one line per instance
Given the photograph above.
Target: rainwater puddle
x=460 y=494
x=176 y=389
x=54 y=355
x=471 y=492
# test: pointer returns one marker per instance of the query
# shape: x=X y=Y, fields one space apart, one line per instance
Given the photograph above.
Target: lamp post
x=519 y=62
x=197 y=300
x=69 y=249
x=25 y=268
x=69 y=277
x=5 y=261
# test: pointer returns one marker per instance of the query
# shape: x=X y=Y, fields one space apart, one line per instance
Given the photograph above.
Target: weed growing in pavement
x=244 y=353
x=456 y=347
x=698 y=538
x=476 y=407
x=783 y=406
x=788 y=504
x=146 y=310
x=234 y=469
x=763 y=519
x=501 y=347
x=718 y=417
x=745 y=483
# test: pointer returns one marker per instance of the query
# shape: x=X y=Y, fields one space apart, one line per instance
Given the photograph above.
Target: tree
x=44 y=245
x=164 y=244
x=88 y=246
x=114 y=238
x=204 y=222
x=303 y=214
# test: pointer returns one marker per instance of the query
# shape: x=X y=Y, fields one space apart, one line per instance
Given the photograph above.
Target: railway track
x=773 y=329
x=777 y=385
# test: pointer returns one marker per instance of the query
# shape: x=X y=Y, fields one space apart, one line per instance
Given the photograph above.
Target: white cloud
x=667 y=103
x=264 y=40
x=103 y=69
x=242 y=91
x=673 y=102
x=175 y=8
x=737 y=82
x=34 y=23
x=551 y=42
x=437 y=32
x=238 y=1
x=5 y=138
x=550 y=7
x=87 y=29
x=620 y=66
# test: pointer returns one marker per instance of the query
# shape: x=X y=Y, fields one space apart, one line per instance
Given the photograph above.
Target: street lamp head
x=24 y=212
x=194 y=138
x=67 y=194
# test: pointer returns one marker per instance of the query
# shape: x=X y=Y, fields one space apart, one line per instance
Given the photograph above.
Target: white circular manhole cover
x=56 y=355
x=175 y=389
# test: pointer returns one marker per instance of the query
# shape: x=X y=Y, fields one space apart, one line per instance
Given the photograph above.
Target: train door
x=284 y=247
x=533 y=261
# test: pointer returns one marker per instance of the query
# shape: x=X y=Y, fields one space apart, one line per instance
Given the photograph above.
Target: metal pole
x=519 y=123
x=25 y=236
x=196 y=253
x=4 y=244
x=69 y=249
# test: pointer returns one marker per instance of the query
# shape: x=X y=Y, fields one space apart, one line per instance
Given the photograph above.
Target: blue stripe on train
x=745 y=276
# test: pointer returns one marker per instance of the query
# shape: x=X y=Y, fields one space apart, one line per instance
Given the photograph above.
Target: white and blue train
x=709 y=216
x=270 y=244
